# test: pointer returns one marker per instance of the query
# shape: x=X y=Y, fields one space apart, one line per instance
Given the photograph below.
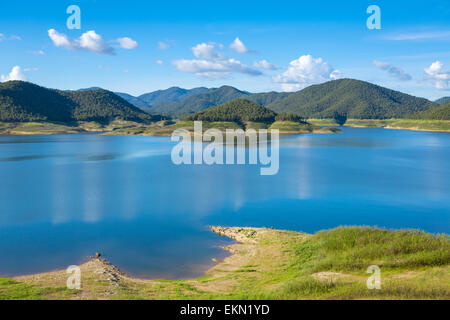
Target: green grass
x=353 y=248
x=411 y=124
x=13 y=290
x=275 y=264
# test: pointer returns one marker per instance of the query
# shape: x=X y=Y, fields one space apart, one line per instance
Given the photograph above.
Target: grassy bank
x=276 y=264
x=161 y=128
x=409 y=124
x=165 y=128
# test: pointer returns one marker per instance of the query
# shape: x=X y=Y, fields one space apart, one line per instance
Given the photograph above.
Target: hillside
x=134 y=101
x=266 y=98
x=23 y=101
x=169 y=95
x=198 y=102
x=436 y=113
x=443 y=100
x=348 y=98
x=238 y=110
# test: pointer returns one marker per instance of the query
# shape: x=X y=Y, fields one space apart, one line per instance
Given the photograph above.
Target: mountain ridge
x=22 y=101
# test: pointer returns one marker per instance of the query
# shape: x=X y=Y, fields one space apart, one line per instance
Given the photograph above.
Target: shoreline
x=268 y=264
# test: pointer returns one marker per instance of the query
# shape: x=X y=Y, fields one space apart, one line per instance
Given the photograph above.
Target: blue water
x=65 y=197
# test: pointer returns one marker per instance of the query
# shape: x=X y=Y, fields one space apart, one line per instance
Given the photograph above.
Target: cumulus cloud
x=437 y=75
x=15 y=74
x=306 y=71
x=392 y=70
x=238 y=46
x=127 y=43
x=212 y=64
x=160 y=62
x=264 y=64
x=163 y=45
x=89 y=41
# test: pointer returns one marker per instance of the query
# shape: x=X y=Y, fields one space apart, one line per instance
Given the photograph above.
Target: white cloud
x=4 y=37
x=127 y=43
x=438 y=76
x=206 y=51
x=160 y=62
x=89 y=41
x=440 y=35
x=104 y=68
x=212 y=64
x=15 y=74
x=306 y=71
x=163 y=45
x=264 y=64
x=38 y=52
x=396 y=72
x=238 y=46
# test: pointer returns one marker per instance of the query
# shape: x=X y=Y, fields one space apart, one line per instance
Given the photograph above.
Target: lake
x=64 y=197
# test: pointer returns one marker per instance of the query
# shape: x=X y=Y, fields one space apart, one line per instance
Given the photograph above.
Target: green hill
x=267 y=98
x=443 y=100
x=198 y=102
x=348 y=98
x=238 y=110
x=436 y=113
x=135 y=101
x=23 y=102
x=170 y=95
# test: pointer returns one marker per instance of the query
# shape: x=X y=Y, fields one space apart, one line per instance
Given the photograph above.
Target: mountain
x=174 y=101
x=443 y=100
x=435 y=113
x=170 y=95
x=238 y=110
x=267 y=98
x=194 y=103
x=24 y=101
x=348 y=98
x=134 y=101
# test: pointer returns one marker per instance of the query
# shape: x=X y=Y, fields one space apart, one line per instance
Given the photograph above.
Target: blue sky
x=283 y=45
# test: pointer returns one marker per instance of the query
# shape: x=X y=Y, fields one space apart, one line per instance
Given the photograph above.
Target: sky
x=141 y=46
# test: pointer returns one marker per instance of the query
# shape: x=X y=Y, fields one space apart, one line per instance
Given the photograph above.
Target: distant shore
x=275 y=264
x=161 y=128
x=405 y=124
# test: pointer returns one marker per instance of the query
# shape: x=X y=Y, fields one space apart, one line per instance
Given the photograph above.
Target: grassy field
x=31 y=128
x=409 y=124
x=275 y=264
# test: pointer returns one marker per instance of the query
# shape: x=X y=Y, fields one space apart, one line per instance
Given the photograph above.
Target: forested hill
x=443 y=100
x=198 y=102
x=238 y=110
x=23 y=101
x=436 y=113
x=350 y=98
